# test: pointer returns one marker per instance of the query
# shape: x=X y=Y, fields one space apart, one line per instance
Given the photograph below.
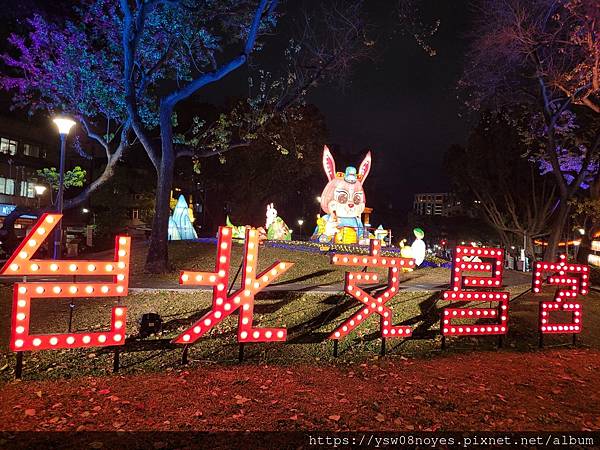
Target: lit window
x=7 y=186
x=135 y=214
x=8 y=146
x=31 y=150
x=27 y=189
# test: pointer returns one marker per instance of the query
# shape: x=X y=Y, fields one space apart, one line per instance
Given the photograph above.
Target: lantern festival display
x=476 y=278
x=418 y=248
x=277 y=230
x=343 y=201
x=181 y=226
x=22 y=263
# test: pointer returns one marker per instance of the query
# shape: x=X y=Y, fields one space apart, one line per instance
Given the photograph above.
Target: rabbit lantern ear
x=365 y=167
x=328 y=164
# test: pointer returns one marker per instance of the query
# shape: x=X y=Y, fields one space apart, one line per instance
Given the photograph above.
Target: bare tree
x=544 y=54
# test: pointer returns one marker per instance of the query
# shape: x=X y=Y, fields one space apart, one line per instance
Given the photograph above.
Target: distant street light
x=581 y=231
x=39 y=191
x=85 y=210
x=318 y=199
x=64 y=125
x=300 y=223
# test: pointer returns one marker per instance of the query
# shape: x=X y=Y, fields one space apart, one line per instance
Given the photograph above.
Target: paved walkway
x=511 y=278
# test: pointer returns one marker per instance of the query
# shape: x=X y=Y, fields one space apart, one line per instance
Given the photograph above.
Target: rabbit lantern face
x=344 y=194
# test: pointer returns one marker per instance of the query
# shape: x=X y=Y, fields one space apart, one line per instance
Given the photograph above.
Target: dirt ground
x=542 y=390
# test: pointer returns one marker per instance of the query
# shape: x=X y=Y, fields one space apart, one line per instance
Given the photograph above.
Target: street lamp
x=39 y=191
x=64 y=125
x=85 y=210
x=300 y=223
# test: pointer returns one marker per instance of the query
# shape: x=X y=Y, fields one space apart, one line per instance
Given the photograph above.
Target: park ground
x=300 y=385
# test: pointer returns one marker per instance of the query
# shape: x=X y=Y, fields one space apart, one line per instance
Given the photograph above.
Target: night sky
x=403 y=106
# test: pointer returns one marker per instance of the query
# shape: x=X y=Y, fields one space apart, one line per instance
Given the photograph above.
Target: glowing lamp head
x=64 y=125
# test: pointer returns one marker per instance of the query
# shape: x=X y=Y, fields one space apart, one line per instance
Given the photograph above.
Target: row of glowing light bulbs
x=221 y=287
x=86 y=339
x=484 y=295
x=73 y=267
x=73 y=289
x=562 y=293
x=70 y=340
x=560 y=328
x=386 y=294
x=475 y=329
x=365 y=260
x=478 y=251
x=243 y=334
x=474 y=311
x=553 y=280
x=481 y=267
x=546 y=266
x=481 y=282
x=557 y=305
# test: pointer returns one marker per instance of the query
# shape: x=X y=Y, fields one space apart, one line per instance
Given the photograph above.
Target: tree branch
x=178 y=95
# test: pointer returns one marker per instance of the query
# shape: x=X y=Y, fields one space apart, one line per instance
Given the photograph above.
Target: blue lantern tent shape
x=180 y=225
x=173 y=231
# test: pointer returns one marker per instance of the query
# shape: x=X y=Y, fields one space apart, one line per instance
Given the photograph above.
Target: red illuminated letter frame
x=491 y=261
x=22 y=264
x=372 y=304
x=572 y=280
x=224 y=305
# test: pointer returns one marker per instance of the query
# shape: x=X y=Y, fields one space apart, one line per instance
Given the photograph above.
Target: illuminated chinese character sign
x=242 y=299
x=572 y=280
x=22 y=263
x=487 y=264
x=372 y=304
x=476 y=278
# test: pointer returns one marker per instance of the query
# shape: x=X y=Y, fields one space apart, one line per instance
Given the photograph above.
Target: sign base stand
x=382 y=351
x=335 y=348
x=116 y=360
x=443 y=342
x=184 y=355
x=19 y=366
x=241 y=353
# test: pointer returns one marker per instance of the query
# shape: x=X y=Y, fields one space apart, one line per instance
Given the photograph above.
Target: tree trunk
x=157 y=260
x=557 y=230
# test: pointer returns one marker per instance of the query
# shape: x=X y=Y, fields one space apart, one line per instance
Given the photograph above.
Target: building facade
x=437 y=204
x=24 y=149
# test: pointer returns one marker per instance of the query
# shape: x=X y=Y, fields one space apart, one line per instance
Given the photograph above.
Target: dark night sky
x=403 y=106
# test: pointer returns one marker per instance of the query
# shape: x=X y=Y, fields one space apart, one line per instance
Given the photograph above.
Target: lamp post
x=64 y=125
x=300 y=223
